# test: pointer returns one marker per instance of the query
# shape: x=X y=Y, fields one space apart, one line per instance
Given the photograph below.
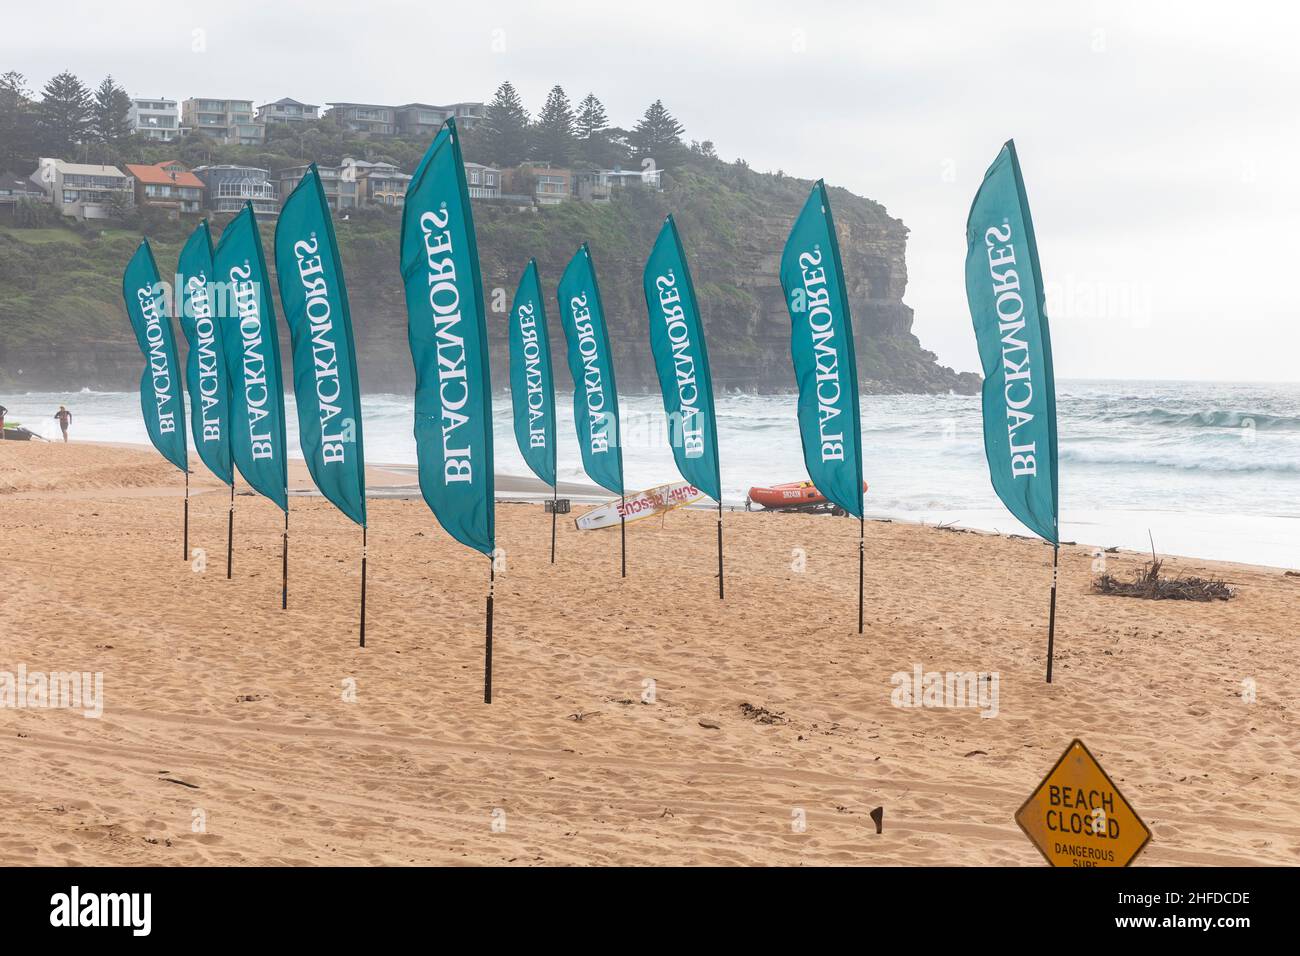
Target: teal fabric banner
x=447 y=330
x=161 y=400
x=532 y=386
x=682 y=361
x=205 y=366
x=315 y=300
x=251 y=344
x=1004 y=287
x=595 y=394
x=821 y=345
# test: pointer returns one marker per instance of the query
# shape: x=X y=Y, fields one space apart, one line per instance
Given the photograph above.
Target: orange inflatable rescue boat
x=792 y=496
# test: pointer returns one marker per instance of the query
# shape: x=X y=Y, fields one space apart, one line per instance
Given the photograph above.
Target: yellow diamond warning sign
x=1078 y=817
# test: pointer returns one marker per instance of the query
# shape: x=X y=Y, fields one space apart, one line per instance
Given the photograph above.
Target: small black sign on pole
x=556 y=506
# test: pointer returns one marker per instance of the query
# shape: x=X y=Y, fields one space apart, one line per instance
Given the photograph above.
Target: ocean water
x=1209 y=470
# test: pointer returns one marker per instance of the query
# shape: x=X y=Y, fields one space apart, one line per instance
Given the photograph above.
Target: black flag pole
x=186 y=534
x=487 y=650
x=363 y=585
x=230 y=532
x=554 y=493
x=1051 y=619
x=284 y=552
x=622 y=531
x=862 y=561
x=721 y=590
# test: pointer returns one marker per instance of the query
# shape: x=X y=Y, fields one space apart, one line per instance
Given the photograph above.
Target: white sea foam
x=1212 y=469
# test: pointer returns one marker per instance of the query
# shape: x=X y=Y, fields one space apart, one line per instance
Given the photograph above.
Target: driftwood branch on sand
x=1148 y=583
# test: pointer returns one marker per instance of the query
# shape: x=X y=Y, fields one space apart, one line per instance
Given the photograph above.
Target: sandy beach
x=619 y=733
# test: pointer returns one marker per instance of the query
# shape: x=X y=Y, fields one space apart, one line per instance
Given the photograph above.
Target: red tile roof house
x=167 y=185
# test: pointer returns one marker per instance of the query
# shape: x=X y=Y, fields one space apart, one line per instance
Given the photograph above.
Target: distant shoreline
x=390 y=481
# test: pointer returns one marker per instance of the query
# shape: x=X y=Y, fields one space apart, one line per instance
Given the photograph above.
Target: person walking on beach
x=65 y=418
x=3 y=412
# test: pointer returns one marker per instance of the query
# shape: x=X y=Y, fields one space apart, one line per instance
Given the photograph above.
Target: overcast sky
x=1159 y=141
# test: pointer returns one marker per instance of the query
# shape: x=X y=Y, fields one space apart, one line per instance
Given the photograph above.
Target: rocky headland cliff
x=62 y=324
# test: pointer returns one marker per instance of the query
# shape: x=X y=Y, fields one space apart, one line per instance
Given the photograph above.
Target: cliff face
x=733 y=222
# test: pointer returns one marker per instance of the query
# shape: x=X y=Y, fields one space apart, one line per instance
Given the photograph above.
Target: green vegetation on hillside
x=62 y=319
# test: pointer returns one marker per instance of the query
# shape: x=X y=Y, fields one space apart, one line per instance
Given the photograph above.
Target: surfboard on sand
x=653 y=501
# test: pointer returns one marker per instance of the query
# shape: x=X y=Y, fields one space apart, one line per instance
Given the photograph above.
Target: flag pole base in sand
x=364 y=554
x=1051 y=619
x=284 y=572
x=862 y=563
x=185 y=535
x=487 y=650
x=721 y=588
x=230 y=533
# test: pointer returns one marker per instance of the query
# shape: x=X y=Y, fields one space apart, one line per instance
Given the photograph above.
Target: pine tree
x=505 y=128
x=17 y=124
x=658 y=136
x=110 y=109
x=64 y=115
x=596 y=140
x=553 y=139
x=591 y=118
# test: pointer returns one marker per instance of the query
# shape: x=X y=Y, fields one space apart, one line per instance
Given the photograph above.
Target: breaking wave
x=1209 y=418
x=1185 y=462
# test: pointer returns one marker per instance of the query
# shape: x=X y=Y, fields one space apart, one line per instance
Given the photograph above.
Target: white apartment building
x=156 y=119
x=226 y=121
x=289 y=112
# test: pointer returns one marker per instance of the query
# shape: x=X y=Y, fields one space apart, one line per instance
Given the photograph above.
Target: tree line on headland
x=71 y=121
x=733 y=219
